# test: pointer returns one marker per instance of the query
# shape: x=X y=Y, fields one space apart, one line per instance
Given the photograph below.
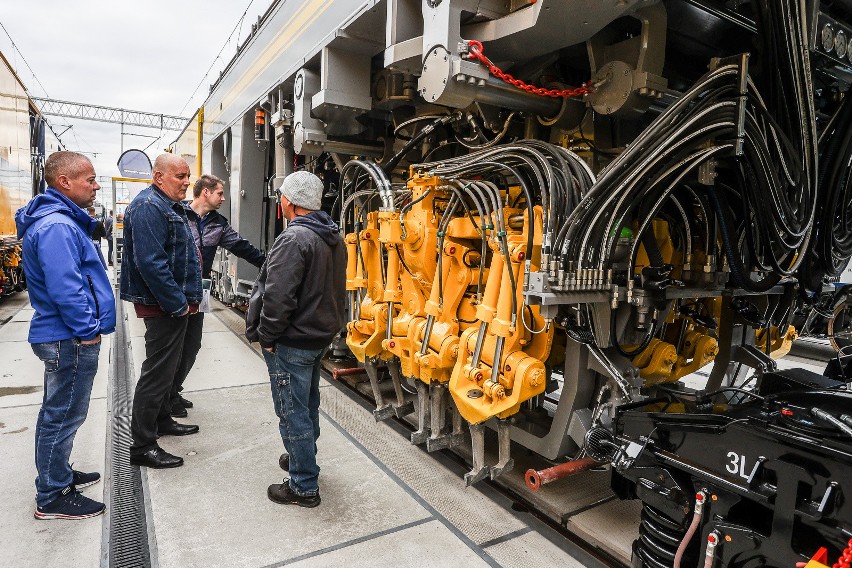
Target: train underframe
x=558 y=215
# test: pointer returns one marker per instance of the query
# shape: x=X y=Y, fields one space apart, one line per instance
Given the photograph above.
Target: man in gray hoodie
x=296 y=308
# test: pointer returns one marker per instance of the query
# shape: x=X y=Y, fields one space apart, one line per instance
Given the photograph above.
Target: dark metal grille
x=126 y=526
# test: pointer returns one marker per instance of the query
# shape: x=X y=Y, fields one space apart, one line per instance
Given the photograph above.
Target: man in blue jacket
x=161 y=276
x=74 y=305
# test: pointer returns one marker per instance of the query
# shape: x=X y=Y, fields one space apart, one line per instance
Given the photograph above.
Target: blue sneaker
x=82 y=479
x=71 y=504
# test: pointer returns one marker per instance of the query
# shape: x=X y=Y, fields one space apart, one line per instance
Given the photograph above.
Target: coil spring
x=659 y=537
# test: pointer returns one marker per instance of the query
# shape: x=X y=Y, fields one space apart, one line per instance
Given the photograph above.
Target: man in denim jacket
x=161 y=276
x=74 y=305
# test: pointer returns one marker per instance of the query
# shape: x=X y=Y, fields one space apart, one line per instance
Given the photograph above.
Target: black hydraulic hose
x=834 y=243
x=738 y=272
x=652 y=247
x=416 y=139
x=527 y=196
x=442 y=229
x=613 y=333
x=408 y=206
x=481 y=201
x=460 y=191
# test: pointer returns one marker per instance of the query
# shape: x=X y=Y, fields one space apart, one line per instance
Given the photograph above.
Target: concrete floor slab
x=620 y=520
x=224 y=361
x=22 y=380
x=14 y=331
x=26 y=314
x=531 y=549
x=427 y=545
x=472 y=512
x=12 y=305
x=22 y=383
x=24 y=541
x=213 y=511
x=135 y=326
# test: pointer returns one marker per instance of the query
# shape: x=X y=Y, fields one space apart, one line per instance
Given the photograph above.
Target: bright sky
x=147 y=56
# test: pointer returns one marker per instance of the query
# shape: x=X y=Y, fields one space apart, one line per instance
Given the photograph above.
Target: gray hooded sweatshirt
x=299 y=298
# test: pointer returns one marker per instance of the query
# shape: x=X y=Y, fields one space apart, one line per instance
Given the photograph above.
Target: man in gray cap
x=296 y=308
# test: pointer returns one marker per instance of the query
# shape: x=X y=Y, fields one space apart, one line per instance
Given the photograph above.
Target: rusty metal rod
x=535 y=479
x=349 y=371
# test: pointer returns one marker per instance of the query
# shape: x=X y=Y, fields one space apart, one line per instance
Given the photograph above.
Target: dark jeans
x=69 y=371
x=109 y=249
x=191 y=347
x=294 y=376
x=165 y=348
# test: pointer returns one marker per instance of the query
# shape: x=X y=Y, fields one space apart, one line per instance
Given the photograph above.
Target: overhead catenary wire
x=24 y=59
x=237 y=27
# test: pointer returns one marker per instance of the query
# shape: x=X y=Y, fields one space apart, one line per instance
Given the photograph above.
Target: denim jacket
x=160 y=263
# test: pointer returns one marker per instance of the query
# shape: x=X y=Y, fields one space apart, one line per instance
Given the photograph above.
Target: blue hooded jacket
x=66 y=273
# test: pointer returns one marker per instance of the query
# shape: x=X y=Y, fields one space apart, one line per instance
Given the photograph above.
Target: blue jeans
x=69 y=371
x=294 y=376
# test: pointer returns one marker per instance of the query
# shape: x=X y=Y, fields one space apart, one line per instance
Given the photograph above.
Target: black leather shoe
x=281 y=493
x=177 y=429
x=178 y=410
x=284 y=462
x=157 y=458
x=184 y=402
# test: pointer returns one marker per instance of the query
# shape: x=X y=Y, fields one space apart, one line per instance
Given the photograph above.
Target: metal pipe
x=496 y=92
x=480 y=340
x=535 y=479
x=350 y=371
x=348 y=148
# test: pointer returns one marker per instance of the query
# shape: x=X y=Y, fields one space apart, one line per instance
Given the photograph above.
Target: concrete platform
x=385 y=503
x=24 y=541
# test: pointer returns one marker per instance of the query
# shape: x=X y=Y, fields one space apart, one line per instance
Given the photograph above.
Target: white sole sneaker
x=89 y=484
x=56 y=516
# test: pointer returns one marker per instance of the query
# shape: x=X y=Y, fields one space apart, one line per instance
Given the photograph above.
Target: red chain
x=475 y=52
x=845 y=558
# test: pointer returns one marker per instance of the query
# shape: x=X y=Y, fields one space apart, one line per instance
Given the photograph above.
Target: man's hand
x=96 y=339
x=191 y=310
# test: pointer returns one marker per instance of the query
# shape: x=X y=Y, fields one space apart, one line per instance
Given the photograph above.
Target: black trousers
x=191 y=347
x=164 y=350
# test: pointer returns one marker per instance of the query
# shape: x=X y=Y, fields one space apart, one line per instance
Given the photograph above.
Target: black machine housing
x=773 y=477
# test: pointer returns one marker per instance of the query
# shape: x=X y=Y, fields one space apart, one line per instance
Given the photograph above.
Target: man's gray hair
x=64 y=163
x=206 y=181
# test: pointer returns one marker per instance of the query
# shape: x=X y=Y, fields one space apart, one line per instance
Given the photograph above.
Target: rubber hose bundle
x=831 y=246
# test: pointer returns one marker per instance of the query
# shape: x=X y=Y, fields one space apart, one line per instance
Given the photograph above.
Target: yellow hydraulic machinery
x=436 y=278
x=779 y=344
x=438 y=296
x=11 y=271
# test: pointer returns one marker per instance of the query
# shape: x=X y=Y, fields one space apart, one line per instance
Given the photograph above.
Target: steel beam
x=110 y=114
